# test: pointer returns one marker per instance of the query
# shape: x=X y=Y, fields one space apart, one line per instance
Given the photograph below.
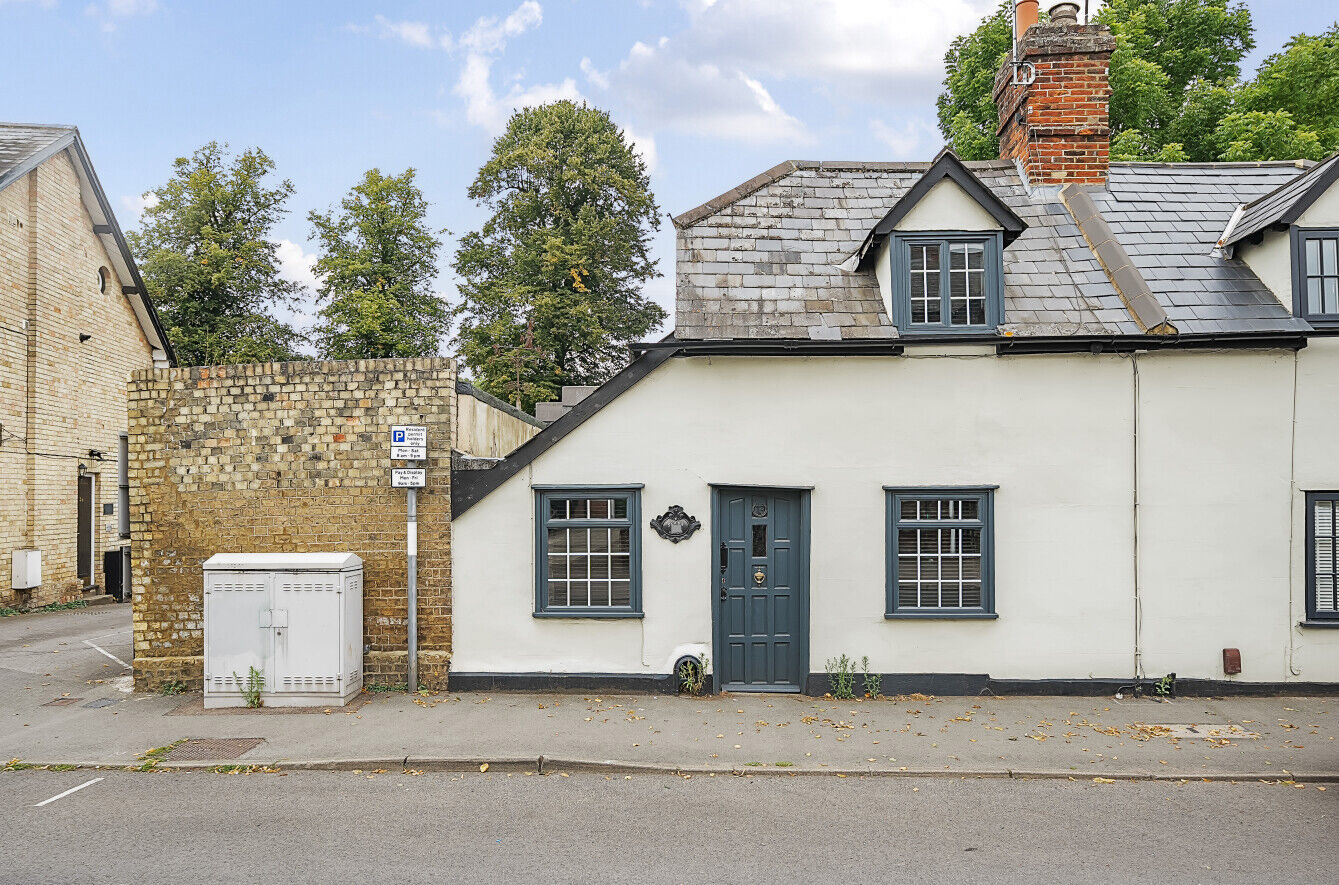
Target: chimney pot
x=1064 y=15
x=1025 y=16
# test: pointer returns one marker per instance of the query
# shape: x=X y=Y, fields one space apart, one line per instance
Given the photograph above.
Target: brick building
x=294 y=458
x=74 y=323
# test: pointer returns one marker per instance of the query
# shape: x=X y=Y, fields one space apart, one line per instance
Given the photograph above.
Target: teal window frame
x=545 y=494
x=900 y=245
x=895 y=496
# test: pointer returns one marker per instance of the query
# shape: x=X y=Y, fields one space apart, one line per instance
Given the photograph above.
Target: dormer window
x=938 y=255
x=946 y=282
x=1316 y=275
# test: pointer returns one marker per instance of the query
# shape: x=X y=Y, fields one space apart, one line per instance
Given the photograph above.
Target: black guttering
x=1004 y=344
x=468 y=487
x=774 y=347
x=469 y=389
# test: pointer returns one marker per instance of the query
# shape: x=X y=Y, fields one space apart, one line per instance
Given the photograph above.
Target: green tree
x=205 y=252
x=966 y=107
x=377 y=267
x=562 y=257
x=1174 y=76
x=1302 y=80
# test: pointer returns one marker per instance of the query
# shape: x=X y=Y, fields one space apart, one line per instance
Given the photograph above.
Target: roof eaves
x=137 y=290
x=1315 y=181
x=469 y=487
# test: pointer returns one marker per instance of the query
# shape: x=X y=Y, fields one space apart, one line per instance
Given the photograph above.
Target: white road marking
x=107 y=653
x=67 y=792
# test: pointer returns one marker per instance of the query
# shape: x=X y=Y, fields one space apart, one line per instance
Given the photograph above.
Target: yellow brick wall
x=59 y=398
x=281 y=458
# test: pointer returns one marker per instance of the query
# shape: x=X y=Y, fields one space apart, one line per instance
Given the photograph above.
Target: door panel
x=761 y=594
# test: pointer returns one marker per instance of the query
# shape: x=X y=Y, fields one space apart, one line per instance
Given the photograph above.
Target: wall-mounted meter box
x=27 y=569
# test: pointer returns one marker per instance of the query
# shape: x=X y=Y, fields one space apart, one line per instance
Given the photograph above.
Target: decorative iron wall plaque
x=675 y=525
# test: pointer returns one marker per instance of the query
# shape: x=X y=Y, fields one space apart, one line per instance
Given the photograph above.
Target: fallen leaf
x=483 y=767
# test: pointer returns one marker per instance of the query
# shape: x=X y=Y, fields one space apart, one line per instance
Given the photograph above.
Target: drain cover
x=101 y=702
x=212 y=749
x=62 y=702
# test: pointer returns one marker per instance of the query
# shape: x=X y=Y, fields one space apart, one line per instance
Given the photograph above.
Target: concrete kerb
x=545 y=765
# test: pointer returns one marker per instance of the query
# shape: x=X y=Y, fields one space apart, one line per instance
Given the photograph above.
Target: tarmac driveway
x=81 y=653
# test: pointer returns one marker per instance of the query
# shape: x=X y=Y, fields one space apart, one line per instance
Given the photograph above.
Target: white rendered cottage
x=1046 y=423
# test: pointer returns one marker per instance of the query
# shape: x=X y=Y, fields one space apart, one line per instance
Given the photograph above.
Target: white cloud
x=913 y=140
x=645 y=145
x=717 y=77
x=489 y=35
x=875 y=47
x=107 y=12
x=296 y=264
x=485 y=39
x=420 y=35
x=135 y=205
x=670 y=89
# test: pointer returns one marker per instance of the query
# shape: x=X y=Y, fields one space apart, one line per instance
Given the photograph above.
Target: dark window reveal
x=1322 y=570
x=1316 y=275
x=947 y=282
x=940 y=552
x=589 y=553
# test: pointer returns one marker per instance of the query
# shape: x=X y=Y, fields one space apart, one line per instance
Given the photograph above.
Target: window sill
x=1319 y=625
x=940 y=616
x=570 y=615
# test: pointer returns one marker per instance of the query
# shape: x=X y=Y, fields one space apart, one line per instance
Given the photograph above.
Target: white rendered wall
x=946 y=206
x=1054 y=432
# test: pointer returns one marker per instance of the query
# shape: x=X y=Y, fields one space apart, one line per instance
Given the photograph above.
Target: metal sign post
x=413 y=588
x=410 y=443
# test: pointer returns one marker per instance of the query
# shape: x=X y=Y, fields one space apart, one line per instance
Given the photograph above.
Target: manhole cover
x=62 y=702
x=212 y=749
x=101 y=702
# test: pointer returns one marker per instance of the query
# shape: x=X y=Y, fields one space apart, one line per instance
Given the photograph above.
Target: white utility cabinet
x=26 y=569
x=297 y=618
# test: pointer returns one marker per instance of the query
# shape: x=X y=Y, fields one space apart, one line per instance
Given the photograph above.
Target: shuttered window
x=1322 y=592
x=939 y=547
x=588 y=552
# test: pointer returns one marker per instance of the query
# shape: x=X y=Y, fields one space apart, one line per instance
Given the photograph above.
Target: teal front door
x=760 y=589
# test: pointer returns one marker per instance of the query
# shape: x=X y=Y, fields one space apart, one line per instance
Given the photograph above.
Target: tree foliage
x=966 y=107
x=1176 y=92
x=377 y=266
x=208 y=262
x=562 y=258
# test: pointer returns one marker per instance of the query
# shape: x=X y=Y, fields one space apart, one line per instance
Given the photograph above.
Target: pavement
x=509 y=827
x=65 y=699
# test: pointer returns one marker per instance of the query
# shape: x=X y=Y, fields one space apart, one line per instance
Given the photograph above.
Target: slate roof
x=764 y=260
x=1169 y=217
x=24 y=145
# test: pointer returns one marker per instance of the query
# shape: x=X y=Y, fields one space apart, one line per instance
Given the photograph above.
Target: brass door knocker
x=759 y=576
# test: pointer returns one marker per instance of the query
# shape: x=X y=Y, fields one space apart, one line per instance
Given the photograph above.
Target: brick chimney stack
x=1057 y=125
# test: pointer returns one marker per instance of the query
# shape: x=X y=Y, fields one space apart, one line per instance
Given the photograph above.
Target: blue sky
x=712 y=91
